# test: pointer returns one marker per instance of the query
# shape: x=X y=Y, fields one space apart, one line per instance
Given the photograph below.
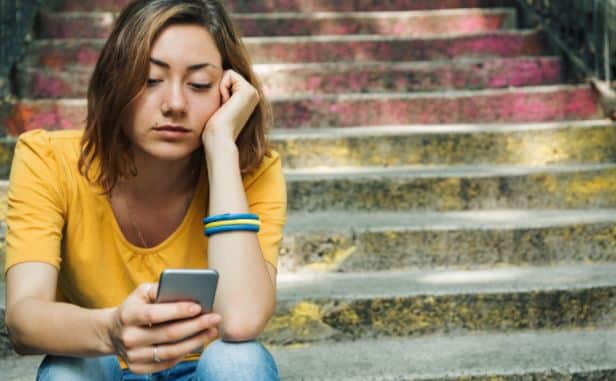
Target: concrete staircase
x=452 y=201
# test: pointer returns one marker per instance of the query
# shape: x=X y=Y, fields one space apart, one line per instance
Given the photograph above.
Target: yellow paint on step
x=332 y=261
x=298 y=318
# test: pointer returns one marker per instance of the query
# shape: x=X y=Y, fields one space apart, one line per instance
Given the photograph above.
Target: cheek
x=207 y=106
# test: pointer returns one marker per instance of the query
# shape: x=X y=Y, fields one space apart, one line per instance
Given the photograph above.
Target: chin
x=170 y=152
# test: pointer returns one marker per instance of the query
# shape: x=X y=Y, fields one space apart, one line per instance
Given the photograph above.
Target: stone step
x=452 y=188
x=58 y=54
x=568 y=142
x=341 y=306
x=547 y=356
x=381 y=241
x=582 y=355
x=343 y=77
x=514 y=105
x=573 y=142
x=399 y=23
x=298 y=5
x=393 y=48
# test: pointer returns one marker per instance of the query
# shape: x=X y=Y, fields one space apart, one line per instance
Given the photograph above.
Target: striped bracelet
x=231 y=222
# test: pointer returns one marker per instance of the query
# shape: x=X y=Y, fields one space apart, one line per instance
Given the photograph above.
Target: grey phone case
x=197 y=285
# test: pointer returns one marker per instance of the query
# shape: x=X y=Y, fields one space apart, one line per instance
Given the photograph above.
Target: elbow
x=13 y=331
x=243 y=331
x=237 y=330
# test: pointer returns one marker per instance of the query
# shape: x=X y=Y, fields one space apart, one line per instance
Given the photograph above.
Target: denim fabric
x=220 y=361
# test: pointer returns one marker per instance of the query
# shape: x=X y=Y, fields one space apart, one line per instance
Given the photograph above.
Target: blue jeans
x=220 y=361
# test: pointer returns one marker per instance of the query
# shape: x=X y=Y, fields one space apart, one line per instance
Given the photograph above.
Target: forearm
x=245 y=295
x=58 y=328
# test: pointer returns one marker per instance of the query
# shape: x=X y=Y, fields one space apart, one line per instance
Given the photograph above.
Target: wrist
x=105 y=321
x=224 y=151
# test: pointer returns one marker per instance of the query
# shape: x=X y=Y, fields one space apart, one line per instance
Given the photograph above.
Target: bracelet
x=229 y=222
x=232 y=222
x=221 y=229
x=229 y=216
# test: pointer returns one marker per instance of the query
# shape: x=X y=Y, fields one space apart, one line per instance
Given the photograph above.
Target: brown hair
x=121 y=75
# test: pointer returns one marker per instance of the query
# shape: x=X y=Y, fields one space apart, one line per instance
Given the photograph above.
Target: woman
x=174 y=133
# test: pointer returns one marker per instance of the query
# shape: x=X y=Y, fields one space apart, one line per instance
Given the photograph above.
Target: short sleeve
x=36 y=206
x=267 y=197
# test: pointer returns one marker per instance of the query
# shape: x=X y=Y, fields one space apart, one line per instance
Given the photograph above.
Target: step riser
x=489 y=45
x=509 y=107
x=561 y=146
x=100 y=25
x=331 y=319
x=399 y=248
x=506 y=106
x=577 y=190
x=299 y=5
x=65 y=54
x=384 y=78
x=535 y=147
x=392 y=78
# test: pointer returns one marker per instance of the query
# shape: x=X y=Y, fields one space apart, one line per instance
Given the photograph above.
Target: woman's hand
x=143 y=332
x=239 y=99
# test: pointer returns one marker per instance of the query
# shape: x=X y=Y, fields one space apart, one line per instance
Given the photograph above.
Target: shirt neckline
x=167 y=241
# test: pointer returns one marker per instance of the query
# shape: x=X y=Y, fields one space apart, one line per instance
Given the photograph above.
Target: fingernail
x=195 y=309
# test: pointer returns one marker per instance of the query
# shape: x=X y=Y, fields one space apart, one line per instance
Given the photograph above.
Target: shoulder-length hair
x=121 y=74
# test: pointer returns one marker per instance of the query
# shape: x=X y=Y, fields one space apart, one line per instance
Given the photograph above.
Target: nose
x=174 y=103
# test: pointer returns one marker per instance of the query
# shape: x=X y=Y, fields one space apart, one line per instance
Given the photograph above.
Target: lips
x=171 y=128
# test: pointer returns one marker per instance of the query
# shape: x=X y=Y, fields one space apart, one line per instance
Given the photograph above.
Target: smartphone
x=195 y=285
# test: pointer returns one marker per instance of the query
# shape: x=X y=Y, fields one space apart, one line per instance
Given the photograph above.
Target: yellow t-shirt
x=56 y=216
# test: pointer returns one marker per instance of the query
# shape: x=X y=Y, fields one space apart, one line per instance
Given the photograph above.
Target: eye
x=152 y=82
x=201 y=86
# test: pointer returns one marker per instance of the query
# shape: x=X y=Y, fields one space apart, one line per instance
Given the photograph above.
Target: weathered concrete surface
x=399 y=23
x=548 y=356
x=99 y=24
x=391 y=77
x=59 y=54
x=573 y=142
x=315 y=307
x=530 y=104
x=349 y=241
x=580 y=355
x=298 y=5
x=390 y=48
x=344 y=77
x=452 y=188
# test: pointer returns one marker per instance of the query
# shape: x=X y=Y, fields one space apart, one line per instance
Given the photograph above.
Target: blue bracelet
x=222 y=229
x=229 y=216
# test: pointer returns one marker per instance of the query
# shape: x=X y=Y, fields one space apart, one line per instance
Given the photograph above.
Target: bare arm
x=129 y=330
x=67 y=329
x=246 y=295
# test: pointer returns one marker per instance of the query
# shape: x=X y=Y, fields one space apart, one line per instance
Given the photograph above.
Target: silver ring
x=155 y=354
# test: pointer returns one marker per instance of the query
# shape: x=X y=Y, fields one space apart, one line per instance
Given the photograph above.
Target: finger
x=225 y=86
x=151 y=291
x=135 y=337
x=169 y=352
x=156 y=313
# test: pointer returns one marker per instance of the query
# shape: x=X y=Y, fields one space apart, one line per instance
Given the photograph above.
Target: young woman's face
x=181 y=95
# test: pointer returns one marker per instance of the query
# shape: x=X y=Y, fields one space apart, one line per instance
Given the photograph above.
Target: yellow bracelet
x=232 y=222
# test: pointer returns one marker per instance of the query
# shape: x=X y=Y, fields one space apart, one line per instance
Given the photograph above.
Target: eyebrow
x=189 y=68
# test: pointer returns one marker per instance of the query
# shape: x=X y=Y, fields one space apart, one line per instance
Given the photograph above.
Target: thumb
x=148 y=292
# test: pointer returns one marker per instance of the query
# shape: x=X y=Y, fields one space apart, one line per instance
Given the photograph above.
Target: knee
x=236 y=361
x=63 y=368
